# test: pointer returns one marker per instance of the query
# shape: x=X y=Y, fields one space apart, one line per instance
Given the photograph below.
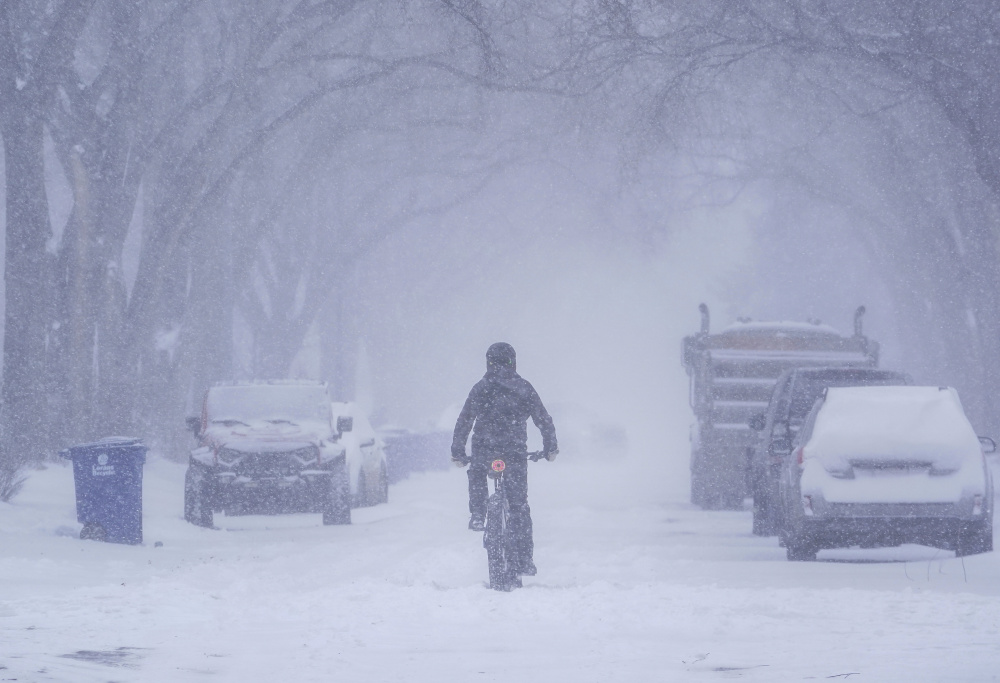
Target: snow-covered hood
x=266 y=437
x=886 y=426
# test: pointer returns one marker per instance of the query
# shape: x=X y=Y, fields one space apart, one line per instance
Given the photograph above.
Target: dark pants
x=515 y=482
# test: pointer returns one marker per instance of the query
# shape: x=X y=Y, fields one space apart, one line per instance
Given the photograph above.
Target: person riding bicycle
x=497 y=413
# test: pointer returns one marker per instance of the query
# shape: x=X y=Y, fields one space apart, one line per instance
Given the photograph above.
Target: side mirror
x=193 y=425
x=758 y=422
x=344 y=424
x=989 y=445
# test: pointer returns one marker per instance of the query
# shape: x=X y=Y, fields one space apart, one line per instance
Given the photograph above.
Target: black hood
x=501 y=359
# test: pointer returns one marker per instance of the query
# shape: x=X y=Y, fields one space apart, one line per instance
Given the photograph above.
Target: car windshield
x=274 y=403
x=809 y=386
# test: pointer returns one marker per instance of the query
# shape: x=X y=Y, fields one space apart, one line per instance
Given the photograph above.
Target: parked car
x=883 y=466
x=793 y=396
x=366 y=462
x=585 y=434
x=407 y=451
x=269 y=448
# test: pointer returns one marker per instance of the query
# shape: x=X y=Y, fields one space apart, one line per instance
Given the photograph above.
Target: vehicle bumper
x=835 y=525
x=270 y=492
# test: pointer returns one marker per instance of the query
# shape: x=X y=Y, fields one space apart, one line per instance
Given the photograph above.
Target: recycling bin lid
x=106 y=442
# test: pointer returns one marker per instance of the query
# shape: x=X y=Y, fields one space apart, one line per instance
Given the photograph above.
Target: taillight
x=807 y=505
x=800 y=454
x=977 y=505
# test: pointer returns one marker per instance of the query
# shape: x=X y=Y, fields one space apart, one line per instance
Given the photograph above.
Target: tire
x=731 y=501
x=93 y=532
x=383 y=485
x=699 y=492
x=198 y=497
x=763 y=513
x=502 y=574
x=708 y=494
x=975 y=539
x=699 y=489
x=759 y=524
x=800 y=552
x=362 y=498
x=337 y=501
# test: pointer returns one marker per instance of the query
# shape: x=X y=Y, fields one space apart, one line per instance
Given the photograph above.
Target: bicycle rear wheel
x=496 y=541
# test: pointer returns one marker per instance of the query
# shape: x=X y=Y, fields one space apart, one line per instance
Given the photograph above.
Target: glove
x=459 y=458
x=551 y=455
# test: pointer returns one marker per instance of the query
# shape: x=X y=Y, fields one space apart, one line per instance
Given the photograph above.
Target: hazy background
x=372 y=193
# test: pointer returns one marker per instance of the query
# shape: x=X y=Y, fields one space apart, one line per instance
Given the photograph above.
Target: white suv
x=882 y=466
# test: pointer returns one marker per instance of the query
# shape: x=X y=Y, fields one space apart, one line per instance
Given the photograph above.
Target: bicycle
x=497 y=538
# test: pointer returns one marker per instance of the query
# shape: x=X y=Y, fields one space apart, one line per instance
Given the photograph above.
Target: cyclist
x=498 y=407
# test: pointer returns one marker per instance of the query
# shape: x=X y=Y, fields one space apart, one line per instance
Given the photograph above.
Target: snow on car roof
x=893 y=423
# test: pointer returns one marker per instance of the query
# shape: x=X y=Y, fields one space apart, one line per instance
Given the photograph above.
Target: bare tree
x=36 y=45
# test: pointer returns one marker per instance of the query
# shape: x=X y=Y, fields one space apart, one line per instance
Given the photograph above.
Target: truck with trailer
x=732 y=374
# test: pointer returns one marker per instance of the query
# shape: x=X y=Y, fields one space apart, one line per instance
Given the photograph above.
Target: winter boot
x=527 y=568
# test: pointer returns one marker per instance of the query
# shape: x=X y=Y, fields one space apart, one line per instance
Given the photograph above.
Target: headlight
x=305 y=456
x=230 y=458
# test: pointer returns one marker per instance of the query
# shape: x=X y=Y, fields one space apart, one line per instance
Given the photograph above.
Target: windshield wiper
x=282 y=422
x=229 y=423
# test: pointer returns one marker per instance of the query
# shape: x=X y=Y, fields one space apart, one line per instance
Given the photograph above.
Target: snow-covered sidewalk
x=633 y=585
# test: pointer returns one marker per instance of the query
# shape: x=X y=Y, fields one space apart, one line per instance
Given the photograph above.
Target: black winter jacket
x=499 y=406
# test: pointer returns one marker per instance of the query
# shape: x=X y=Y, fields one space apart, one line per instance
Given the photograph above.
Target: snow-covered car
x=883 y=466
x=269 y=448
x=585 y=434
x=408 y=451
x=791 y=400
x=366 y=462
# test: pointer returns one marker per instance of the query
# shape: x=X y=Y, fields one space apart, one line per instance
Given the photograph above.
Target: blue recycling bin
x=108 y=477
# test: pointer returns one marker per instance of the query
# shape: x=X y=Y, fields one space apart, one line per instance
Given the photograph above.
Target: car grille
x=268 y=465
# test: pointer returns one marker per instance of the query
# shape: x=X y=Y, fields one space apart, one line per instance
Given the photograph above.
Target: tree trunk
x=29 y=288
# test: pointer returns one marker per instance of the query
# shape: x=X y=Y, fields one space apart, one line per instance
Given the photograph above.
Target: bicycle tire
x=496 y=540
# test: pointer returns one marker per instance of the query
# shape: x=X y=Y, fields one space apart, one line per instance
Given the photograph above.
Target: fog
x=368 y=195
x=371 y=197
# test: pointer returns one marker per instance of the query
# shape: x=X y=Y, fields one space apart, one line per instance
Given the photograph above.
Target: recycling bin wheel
x=93 y=532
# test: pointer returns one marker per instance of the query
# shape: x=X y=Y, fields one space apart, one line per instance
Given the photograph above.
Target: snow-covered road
x=633 y=585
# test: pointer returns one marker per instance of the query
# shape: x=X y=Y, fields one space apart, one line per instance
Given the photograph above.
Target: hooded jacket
x=497 y=413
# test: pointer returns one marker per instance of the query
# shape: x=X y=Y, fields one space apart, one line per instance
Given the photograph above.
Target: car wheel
x=764 y=513
x=699 y=489
x=337 y=503
x=383 y=485
x=975 y=539
x=800 y=552
x=198 y=497
x=362 y=497
x=706 y=491
x=731 y=501
x=760 y=516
